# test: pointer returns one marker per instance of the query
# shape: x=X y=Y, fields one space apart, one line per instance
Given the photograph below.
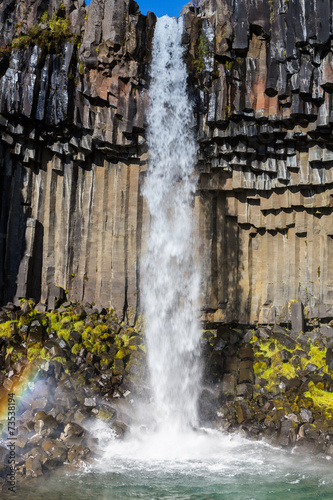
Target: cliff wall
x=265 y=127
x=73 y=91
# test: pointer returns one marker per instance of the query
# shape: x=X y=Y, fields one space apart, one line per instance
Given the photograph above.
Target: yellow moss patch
x=76 y=349
x=37 y=352
x=321 y=399
x=64 y=335
x=259 y=367
x=79 y=326
x=5 y=330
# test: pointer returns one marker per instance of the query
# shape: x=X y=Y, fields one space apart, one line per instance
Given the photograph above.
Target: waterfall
x=170 y=283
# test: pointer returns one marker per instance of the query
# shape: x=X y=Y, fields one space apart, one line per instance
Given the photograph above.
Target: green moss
x=79 y=326
x=37 y=351
x=321 y=399
x=76 y=349
x=204 y=50
x=50 y=34
x=317 y=357
x=81 y=72
x=121 y=354
x=64 y=335
x=5 y=329
x=66 y=321
x=60 y=360
x=104 y=416
x=99 y=348
x=100 y=330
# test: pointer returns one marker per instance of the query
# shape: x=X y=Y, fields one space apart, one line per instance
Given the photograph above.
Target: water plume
x=170 y=283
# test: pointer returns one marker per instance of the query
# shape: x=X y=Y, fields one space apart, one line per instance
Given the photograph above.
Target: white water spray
x=170 y=284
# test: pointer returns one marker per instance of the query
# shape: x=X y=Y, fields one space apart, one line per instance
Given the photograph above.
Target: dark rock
x=228 y=385
x=286 y=355
x=297 y=316
x=306 y=415
x=281 y=336
x=33 y=467
x=287 y=433
x=45 y=425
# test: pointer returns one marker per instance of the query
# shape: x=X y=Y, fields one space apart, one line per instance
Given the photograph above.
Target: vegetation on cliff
x=49 y=34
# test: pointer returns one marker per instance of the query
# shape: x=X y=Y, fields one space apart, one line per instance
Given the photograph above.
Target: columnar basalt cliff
x=73 y=94
x=72 y=124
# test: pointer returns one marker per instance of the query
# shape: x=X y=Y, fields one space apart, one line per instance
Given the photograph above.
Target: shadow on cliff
x=20 y=263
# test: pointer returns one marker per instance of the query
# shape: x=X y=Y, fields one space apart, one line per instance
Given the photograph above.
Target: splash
x=170 y=287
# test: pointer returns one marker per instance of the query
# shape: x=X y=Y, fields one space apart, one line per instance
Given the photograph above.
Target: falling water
x=170 y=278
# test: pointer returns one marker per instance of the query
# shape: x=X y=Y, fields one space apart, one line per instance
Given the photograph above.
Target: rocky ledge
x=79 y=368
x=69 y=371
x=271 y=383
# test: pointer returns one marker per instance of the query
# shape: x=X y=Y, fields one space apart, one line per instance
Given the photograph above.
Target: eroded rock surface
x=74 y=154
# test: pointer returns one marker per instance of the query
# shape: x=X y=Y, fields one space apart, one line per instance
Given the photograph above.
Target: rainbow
x=21 y=393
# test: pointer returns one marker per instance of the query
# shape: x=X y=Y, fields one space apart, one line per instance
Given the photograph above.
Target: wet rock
x=228 y=385
x=288 y=432
x=39 y=404
x=297 y=317
x=33 y=467
x=56 y=453
x=78 y=454
x=309 y=431
x=90 y=402
x=281 y=336
x=245 y=372
x=244 y=390
x=45 y=425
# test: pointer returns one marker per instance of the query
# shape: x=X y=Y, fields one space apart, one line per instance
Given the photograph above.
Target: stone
x=309 y=431
x=245 y=372
x=39 y=404
x=288 y=432
x=228 y=385
x=282 y=336
x=45 y=425
x=244 y=390
x=306 y=415
x=90 y=402
x=33 y=467
x=297 y=317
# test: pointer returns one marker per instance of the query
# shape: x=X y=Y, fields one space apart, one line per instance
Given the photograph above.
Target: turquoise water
x=206 y=467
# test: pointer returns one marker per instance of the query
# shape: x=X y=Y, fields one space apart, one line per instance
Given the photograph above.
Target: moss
x=259 y=367
x=37 y=351
x=99 y=348
x=64 y=335
x=60 y=360
x=121 y=354
x=100 y=329
x=105 y=362
x=50 y=34
x=321 y=399
x=87 y=335
x=104 y=416
x=79 y=326
x=317 y=357
x=5 y=329
x=66 y=321
x=204 y=50
x=76 y=349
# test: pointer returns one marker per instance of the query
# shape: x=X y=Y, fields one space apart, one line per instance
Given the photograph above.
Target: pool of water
x=196 y=466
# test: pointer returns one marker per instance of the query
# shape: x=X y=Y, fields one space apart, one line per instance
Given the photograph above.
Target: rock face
x=265 y=75
x=73 y=90
x=72 y=151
